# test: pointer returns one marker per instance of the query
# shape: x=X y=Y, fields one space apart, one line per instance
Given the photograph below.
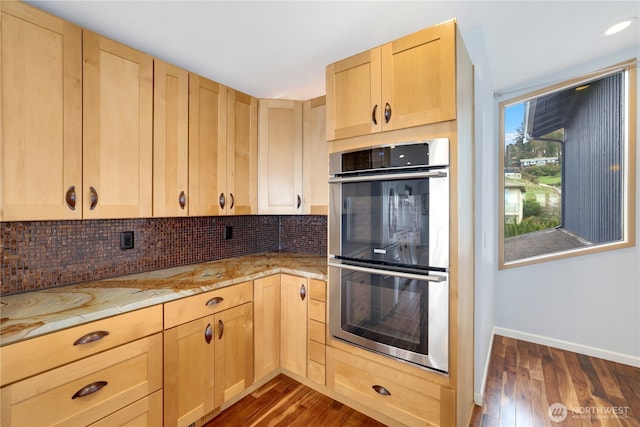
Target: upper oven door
x=395 y=219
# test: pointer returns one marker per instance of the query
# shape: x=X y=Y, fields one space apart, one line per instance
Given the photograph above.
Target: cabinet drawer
x=317 y=331
x=187 y=309
x=316 y=372
x=317 y=290
x=87 y=390
x=316 y=352
x=144 y=412
x=317 y=310
x=411 y=400
x=30 y=357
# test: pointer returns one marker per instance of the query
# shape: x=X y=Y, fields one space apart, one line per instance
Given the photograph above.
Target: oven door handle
x=428 y=278
x=390 y=176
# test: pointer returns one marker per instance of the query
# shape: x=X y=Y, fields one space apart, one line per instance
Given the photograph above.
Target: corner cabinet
x=279 y=156
x=408 y=82
x=208 y=352
x=41 y=82
x=315 y=165
x=117 y=129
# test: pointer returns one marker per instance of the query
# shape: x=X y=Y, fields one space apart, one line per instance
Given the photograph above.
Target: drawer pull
x=89 y=389
x=381 y=390
x=208 y=333
x=214 y=301
x=91 y=337
x=303 y=292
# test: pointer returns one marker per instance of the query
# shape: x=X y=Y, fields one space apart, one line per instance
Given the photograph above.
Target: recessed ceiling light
x=619 y=26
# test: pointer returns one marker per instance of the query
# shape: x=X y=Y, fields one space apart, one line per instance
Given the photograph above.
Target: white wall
x=590 y=303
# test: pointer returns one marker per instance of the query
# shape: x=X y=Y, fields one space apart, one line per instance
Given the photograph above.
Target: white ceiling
x=276 y=49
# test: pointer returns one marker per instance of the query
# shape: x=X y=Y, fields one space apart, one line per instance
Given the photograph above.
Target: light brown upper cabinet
x=41 y=89
x=170 y=140
x=207 y=146
x=117 y=129
x=315 y=167
x=242 y=154
x=280 y=156
x=408 y=82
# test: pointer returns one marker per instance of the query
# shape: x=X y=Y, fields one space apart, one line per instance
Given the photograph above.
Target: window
x=567 y=169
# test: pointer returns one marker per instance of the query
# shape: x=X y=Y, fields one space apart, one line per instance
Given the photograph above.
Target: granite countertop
x=30 y=314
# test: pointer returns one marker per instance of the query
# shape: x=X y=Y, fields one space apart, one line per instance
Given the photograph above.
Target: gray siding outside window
x=593 y=162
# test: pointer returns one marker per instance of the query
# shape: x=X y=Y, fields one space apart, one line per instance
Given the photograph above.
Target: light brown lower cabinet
x=207 y=361
x=266 y=328
x=144 y=412
x=405 y=398
x=87 y=390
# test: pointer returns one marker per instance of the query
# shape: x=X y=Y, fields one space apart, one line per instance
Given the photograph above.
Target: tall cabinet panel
x=207 y=146
x=315 y=156
x=280 y=156
x=242 y=153
x=117 y=129
x=41 y=89
x=170 y=140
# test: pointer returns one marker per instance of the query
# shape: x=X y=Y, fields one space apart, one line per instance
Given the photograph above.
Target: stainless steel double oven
x=389 y=250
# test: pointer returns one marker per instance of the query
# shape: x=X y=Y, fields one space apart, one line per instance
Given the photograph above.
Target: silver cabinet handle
x=381 y=390
x=374 y=120
x=233 y=200
x=303 y=292
x=220 y=329
x=387 y=113
x=89 y=389
x=182 y=200
x=214 y=301
x=91 y=337
x=221 y=201
x=299 y=202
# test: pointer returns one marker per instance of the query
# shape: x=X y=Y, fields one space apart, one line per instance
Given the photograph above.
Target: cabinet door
x=189 y=362
x=41 y=87
x=315 y=166
x=293 y=339
x=280 y=156
x=207 y=146
x=266 y=314
x=170 y=140
x=117 y=129
x=242 y=153
x=418 y=78
x=354 y=96
x=234 y=352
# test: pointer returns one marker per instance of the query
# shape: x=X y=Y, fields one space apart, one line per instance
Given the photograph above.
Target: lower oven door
x=403 y=315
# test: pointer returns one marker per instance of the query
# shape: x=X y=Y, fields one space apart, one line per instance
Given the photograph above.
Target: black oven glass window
x=386 y=309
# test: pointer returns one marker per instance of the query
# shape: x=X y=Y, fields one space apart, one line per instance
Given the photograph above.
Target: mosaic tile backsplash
x=46 y=254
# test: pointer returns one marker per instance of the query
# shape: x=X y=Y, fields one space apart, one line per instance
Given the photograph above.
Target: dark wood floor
x=525 y=379
x=285 y=402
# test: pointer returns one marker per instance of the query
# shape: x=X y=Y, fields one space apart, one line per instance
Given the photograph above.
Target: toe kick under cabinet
x=107 y=372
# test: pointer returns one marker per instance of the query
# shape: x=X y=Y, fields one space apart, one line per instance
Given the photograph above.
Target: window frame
x=629 y=178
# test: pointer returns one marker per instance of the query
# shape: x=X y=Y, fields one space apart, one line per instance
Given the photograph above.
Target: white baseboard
x=478 y=398
x=613 y=356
